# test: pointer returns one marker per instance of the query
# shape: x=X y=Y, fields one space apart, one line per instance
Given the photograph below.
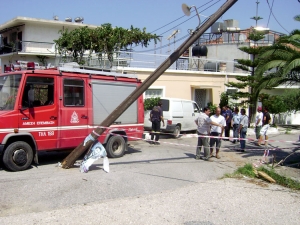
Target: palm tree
x=280 y=63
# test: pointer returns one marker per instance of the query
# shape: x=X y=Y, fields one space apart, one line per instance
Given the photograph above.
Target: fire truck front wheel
x=115 y=147
x=18 y=156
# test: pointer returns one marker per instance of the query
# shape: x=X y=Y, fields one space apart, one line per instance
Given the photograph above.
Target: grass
x=288 y=130
x=247 y=170
x=281 y=180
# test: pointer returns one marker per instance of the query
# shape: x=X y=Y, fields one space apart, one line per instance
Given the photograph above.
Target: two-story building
x=23 y=39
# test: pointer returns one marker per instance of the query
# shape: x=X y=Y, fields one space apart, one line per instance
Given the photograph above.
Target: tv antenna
x=173 y=35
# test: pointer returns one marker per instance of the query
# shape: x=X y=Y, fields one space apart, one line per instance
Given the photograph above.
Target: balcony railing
x=28 y=47
x=125 y=60
x=138 y=61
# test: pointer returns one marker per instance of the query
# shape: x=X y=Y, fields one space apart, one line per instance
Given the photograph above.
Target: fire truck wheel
x=176 y=132
x=18 y=156
x=115 y=147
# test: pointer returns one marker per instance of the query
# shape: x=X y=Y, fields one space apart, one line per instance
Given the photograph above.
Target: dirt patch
x=258 y=182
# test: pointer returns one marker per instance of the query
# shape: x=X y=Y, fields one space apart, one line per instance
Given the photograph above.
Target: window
x=38 y=91
x=196 y=108
x=73 y=92
x=153 y=93
x=9 y=86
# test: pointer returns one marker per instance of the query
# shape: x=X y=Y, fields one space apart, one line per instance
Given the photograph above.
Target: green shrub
x=149 y=103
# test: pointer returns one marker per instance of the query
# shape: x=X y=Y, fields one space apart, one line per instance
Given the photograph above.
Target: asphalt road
x=150 y=185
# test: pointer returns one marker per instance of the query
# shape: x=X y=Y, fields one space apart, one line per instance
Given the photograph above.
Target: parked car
x=179 y=115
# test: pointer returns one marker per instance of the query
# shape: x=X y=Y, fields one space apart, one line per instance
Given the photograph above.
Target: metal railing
x=123 y=60
x=28 y=47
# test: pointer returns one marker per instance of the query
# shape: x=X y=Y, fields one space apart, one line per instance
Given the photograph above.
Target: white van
x=179 y=115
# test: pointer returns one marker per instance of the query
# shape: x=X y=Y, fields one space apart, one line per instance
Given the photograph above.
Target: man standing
x=243 y=129
x=217 y=131
x=258 y=122
x=156 y=117
x=228 y=119
x=266 y=125
x=235 y=124
x=203 y=122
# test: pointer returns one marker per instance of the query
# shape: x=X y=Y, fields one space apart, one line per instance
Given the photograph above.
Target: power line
x=166 y=45
x=179 y=17
x=190 y=18
x=270 y=13
x=276 y=18
x=178 y=24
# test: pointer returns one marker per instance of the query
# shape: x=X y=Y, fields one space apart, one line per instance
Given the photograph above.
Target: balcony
x=129 y=61
x=29 y=47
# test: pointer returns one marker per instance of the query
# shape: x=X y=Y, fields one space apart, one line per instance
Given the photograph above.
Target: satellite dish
x=186 y=9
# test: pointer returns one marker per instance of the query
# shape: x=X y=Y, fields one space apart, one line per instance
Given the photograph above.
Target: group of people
x=210 y=129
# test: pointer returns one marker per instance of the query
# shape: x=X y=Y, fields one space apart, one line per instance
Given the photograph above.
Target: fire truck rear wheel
x=18 y=156
x=115 y=147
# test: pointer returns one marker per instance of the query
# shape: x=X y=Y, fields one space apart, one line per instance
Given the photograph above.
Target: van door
x=39 y=111
x=177 y=112
x=73 y=112
x=190 y=113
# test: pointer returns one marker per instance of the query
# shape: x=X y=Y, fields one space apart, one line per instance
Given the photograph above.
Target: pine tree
x=248 y=97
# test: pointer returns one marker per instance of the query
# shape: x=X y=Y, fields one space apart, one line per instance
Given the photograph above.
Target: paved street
x=151 y=185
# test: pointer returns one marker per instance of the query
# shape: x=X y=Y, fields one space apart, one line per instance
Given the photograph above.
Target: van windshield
x=9 y=86
x=165 y=105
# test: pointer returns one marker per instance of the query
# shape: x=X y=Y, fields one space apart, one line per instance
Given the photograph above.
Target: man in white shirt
x=258 y=122
x=217 y=131
x=204 y=122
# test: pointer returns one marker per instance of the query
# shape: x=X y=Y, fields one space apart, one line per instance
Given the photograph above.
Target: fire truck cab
x=55 y=109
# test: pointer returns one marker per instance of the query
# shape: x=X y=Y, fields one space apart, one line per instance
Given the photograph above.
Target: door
x=188 y=115
x=177 y=112
x=39 y=111
x=73 y=112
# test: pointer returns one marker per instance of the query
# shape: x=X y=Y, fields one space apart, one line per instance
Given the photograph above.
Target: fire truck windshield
x=9 y=86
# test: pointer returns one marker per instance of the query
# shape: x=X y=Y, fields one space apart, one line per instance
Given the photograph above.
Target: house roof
x=20 y=21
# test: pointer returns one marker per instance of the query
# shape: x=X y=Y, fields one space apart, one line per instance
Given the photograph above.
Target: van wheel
x=18 y=156
x=115 y=147
x=176 y=132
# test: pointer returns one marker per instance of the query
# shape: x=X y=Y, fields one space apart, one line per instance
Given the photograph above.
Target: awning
x=10 y=28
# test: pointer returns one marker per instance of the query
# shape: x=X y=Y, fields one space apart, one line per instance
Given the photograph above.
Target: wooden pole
x=79 y=150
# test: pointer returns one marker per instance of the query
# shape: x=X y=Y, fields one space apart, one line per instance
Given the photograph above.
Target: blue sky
x=154 y=13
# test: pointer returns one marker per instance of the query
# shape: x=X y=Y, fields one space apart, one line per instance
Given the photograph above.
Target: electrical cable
x=179 y=18
x=270 y=13
x=276 y=18
x=180 y=23
x=166 y=45
x=189 y=18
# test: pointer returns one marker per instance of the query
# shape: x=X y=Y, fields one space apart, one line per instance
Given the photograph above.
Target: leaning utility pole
x=83 y=147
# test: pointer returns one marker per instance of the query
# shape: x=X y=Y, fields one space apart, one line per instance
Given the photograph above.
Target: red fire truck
x=55 y=109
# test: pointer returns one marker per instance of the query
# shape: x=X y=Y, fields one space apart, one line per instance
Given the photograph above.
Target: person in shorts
x=265 y=127
x=216 y=131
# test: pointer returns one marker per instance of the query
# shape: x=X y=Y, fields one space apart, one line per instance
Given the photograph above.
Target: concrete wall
x=181 y=84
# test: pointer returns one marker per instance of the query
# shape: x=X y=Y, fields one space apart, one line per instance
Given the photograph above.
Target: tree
x=280 y=63
x=103 y=41
x=149 y=103
x=250 y=82
x=274 y=103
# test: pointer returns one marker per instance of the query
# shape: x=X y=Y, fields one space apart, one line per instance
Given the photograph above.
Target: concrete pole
x=79 y=150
